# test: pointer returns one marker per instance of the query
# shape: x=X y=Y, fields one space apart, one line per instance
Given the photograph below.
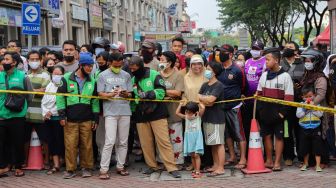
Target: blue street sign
x=31 y=19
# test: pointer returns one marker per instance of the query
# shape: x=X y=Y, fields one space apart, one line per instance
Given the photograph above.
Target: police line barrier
x=265 y=99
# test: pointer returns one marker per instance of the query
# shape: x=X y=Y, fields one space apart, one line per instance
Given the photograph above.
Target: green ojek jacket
x=77 y=109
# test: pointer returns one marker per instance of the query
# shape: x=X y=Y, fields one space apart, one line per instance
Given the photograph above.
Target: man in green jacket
x=79 y=116
x=151 y=117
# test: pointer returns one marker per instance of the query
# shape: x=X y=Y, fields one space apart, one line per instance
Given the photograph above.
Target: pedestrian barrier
x=35 y=157
x=258 y=98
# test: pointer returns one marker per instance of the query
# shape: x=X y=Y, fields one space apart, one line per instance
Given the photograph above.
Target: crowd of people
x=190 y=130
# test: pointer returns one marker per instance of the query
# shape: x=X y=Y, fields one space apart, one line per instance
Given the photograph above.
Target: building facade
x=84 y=20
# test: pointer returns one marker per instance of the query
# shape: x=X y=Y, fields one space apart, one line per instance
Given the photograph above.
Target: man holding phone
x=115 y=83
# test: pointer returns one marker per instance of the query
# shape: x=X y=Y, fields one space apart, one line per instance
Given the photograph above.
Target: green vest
x=73 y=88
x=16 y=79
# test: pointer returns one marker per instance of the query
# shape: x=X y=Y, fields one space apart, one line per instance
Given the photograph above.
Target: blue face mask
x=99 y=50
x=208 y=74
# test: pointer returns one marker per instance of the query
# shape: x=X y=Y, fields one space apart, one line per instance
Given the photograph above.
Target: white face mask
x=240 y=64
x=309 y=66
x=34 y=64
x=57 y=79
x=255 y=53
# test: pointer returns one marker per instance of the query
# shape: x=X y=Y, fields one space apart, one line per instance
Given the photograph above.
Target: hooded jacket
x=277 y=85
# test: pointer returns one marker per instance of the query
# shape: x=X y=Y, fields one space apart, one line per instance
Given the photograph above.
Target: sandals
x=19 y=173
x=122 y=172
x=4 y=171
x=229 y=163
x=104 y=176
x=277 y=169
x=214 y=174
x=196 y=175
x=240 y=166
x=53 y=170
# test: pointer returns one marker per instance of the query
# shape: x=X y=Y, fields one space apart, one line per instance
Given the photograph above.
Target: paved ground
x=289 y=177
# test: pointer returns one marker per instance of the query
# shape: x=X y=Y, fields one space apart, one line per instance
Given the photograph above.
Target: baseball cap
x=85 y=58
x=196 y=59
x=148 y=44
x=227 y=48
x=258 y=45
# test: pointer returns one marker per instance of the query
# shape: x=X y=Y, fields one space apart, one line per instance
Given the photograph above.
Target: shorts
x=276 y=129
x=311 y=142
x=213 y=133
x=234 y=125
x=40 y=129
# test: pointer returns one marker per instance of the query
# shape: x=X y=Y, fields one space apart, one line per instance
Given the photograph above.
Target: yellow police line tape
x=265 y=99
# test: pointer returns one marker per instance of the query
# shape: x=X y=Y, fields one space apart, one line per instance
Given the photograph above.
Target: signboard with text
x=31 y=19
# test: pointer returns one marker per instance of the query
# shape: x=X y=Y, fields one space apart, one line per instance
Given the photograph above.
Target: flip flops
x=104 y=176
x=215 y=174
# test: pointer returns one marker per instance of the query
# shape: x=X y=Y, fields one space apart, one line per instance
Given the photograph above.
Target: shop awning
x=324 y=37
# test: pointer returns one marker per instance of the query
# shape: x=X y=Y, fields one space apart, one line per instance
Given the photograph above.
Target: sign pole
x=30 y=42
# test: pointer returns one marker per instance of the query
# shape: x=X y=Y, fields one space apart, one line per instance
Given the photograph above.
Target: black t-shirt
x=213 y=114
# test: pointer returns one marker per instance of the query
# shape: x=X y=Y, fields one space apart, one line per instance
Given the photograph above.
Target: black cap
x=257 y=44
x=227 y=48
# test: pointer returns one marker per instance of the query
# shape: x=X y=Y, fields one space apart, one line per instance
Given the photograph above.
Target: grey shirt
x=69 y=67
x=107 y=82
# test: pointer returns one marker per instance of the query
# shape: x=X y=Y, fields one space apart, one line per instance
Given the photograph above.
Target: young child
x=193 y=138
x=310 y=137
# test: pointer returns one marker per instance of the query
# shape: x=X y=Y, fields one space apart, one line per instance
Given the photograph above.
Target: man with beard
x=294 y=66
x=79 y=116
x=69 y=50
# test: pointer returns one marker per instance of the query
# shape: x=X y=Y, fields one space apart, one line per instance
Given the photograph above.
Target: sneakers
x=175 y=174
x=304 y=167
x=318 y=169
x=69 y=174
x=86 y=173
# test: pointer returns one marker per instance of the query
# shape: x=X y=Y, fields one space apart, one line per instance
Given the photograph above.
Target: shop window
x=55 y=36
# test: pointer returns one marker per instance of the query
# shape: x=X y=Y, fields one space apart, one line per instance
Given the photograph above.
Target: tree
x=313 y=18
x=270 y=20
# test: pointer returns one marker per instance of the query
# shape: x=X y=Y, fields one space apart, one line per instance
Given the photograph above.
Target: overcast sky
x=207 y=11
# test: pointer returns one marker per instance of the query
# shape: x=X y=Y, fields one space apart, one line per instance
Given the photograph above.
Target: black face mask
x=7 y=67
x=50 y=69
x=84 y=73
x=147 y=56
x=288 y=52
x=224 y=57
x=139 y=73
x=103 y=67
x=69 y=58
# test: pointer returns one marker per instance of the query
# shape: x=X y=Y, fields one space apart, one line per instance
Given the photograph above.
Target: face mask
x=309 y=66
x=255 y=53
x=50 y=69
x=57 y=79
x=115 y=70
x=288 y=52
x=99 y=50
x=208 y=74
x=84 y=73
x=223 y=57
x=147 y=56
x=103 y=67
x=240 y=64
x=163 y=66
x=69 y=58
x=34 y=65
x=7 y=67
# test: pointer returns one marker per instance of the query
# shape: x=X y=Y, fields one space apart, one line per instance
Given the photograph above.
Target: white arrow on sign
x=31 y=14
